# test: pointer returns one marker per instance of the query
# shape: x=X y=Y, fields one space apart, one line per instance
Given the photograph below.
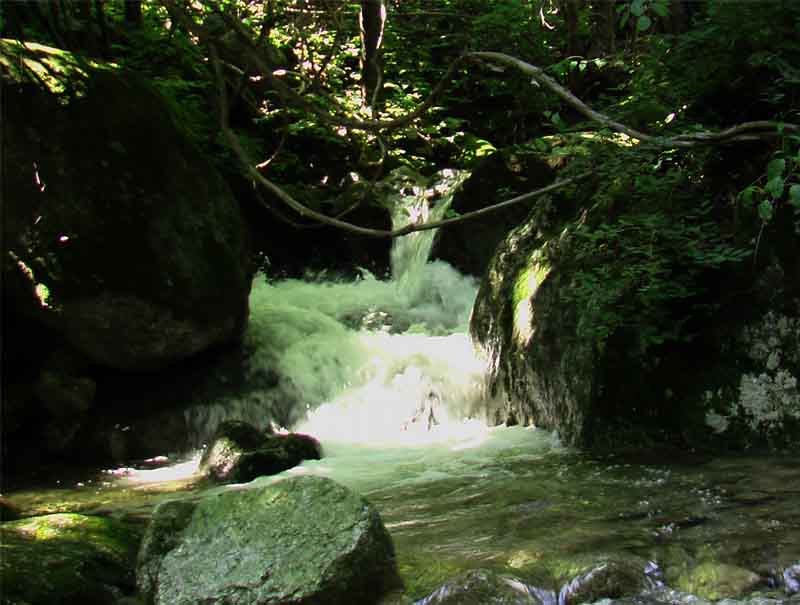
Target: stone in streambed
x=63 y=559
x=482 y=586
x=303 y=540
x=239 y=453
x=713 y=580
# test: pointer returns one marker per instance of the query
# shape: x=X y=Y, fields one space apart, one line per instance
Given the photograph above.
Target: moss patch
x=67 y=558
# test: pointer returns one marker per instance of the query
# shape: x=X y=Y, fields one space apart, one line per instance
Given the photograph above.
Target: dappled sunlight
x=179 y=471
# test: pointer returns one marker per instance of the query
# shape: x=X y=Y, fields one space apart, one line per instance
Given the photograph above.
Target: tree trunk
x=133 y=13
x=372 y=19
x=100 y=17
x=604 y=38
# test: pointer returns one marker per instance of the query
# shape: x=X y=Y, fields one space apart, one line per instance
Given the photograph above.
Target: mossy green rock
x=713 y=580
x=529 y=334
x=302 y=540
x=67 y=558
x=118 y=233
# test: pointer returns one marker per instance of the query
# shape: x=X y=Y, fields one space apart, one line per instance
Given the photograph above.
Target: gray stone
x=302 y=540
x=485 y=587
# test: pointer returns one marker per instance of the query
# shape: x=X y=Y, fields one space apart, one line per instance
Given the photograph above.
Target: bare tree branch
x=307 y=212
x=747 y=131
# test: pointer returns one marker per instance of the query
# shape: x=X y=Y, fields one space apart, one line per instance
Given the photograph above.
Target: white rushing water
x=367 y=361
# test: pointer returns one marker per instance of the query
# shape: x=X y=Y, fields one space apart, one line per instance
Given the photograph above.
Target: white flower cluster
x=769 y=396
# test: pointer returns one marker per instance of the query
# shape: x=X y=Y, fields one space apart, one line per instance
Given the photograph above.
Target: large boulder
x=546 y=371
x=118 y=234
x=63 y=559
x=302 y=540
x=634 y=317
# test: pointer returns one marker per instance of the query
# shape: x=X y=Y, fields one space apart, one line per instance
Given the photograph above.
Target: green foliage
x=642 y=256
x=642 y=12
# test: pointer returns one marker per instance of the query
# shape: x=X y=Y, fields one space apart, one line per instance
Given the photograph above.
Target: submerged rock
x=485 y=587
x=607 y=577
x=714 y=580
x=791 y=579
x=303 y=540
x=239 y=453
x=64 y=559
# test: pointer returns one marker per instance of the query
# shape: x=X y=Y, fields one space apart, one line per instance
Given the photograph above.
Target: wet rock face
x=240 y=453
x=469 y=246
x=303 y=540
x=530 y=337
x=791 y=579
x=484 y=587
x=67 y=558
x=714 y=580
x=610 y=577
x=119 y=235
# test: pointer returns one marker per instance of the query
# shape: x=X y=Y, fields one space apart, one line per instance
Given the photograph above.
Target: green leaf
x=637 y=8
x=775 y=168
x=765 y=211
x=774 y=187
x=660 y=9
x=794 y=196
x=748 y=194
x=644 y=23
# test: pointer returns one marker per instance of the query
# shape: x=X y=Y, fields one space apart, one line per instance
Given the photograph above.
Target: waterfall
x=366 y=360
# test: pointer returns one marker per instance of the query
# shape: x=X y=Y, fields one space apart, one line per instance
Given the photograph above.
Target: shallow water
x=385 y=376
x=512 y=499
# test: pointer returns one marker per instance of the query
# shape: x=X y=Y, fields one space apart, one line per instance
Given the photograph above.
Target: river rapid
x=383 y=373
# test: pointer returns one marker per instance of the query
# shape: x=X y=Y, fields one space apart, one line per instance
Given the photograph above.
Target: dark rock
x=8 y=512
x=118 y=234
x=303 y=540
x=608 y=577
x=240 y=453
x=484 y=587
x=313 y=248
x=530 y=337
x=469 y=246
x=67 y=558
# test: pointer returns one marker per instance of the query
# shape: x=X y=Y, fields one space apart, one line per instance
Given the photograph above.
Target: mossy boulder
x=530 y=335
x=63 y=559
x=303 y=540
x=118 y=234
x=714 y=580
x=240 y=453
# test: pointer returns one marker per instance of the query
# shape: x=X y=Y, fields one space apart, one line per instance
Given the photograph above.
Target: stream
x=384 y=374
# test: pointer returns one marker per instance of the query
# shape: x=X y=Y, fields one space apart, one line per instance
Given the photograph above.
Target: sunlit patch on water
x=161 y=471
